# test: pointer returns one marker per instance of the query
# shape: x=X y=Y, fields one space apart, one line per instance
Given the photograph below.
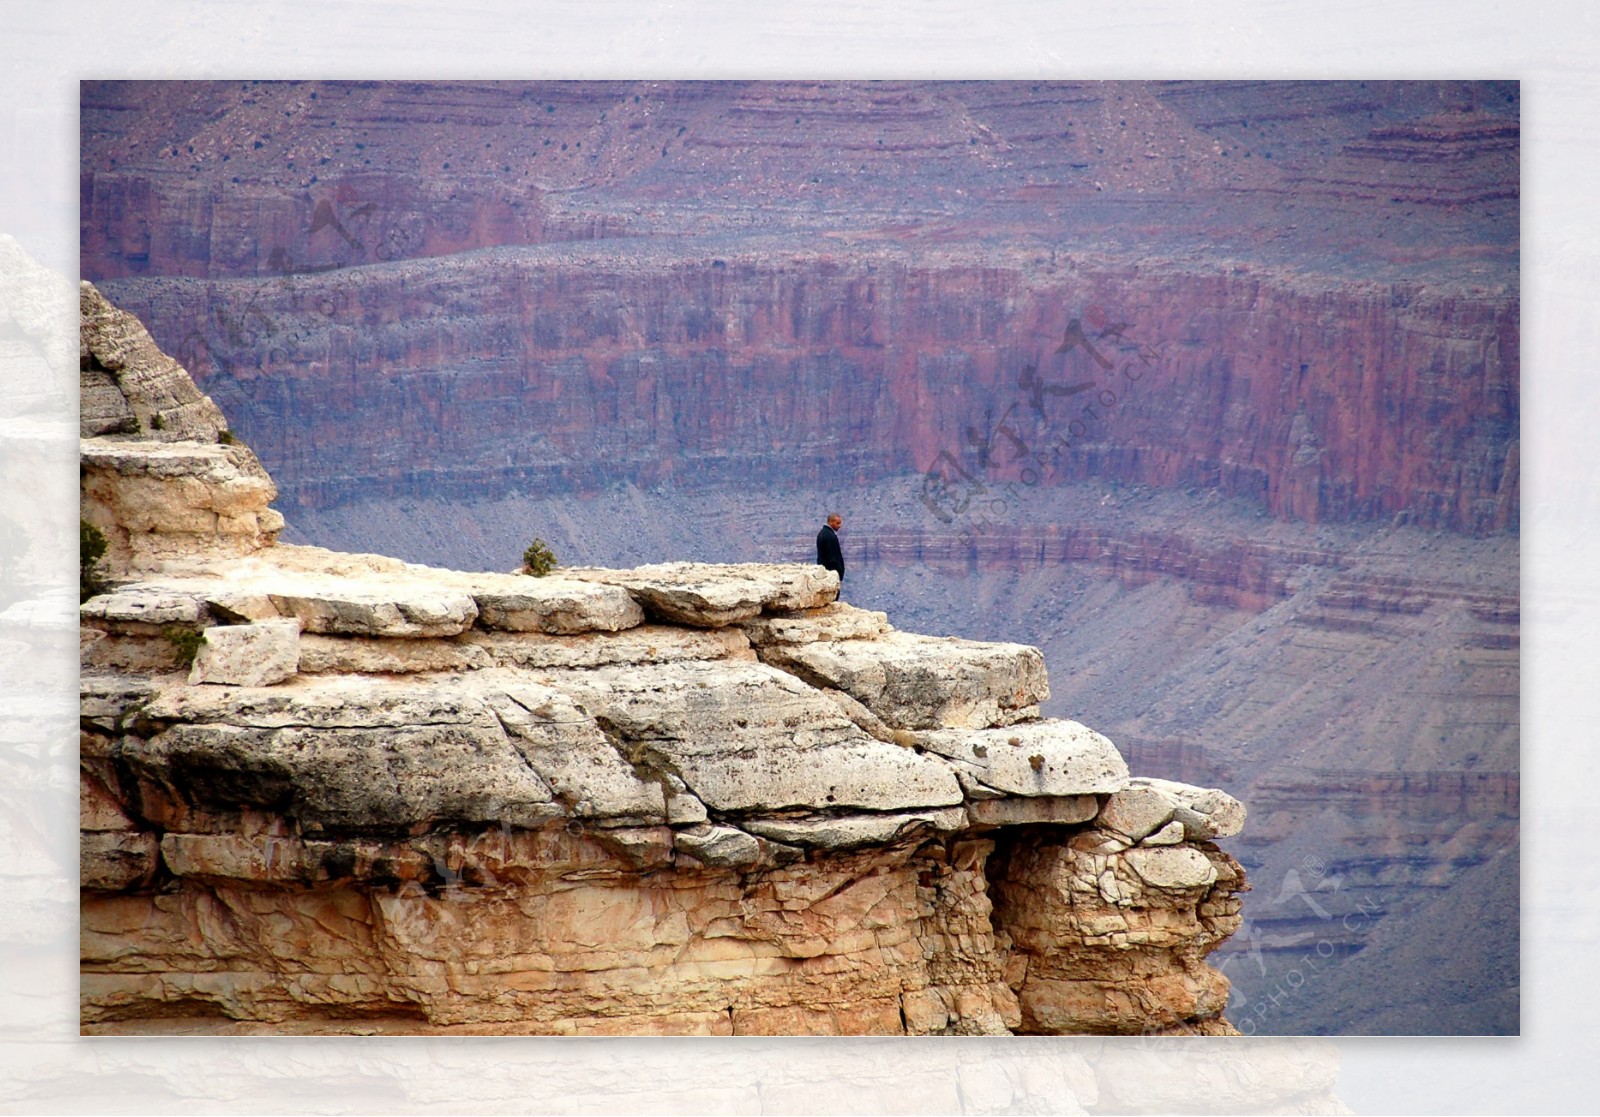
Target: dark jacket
x=828 y=552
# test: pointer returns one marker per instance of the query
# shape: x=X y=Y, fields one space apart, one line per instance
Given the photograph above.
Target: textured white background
x=45 y=48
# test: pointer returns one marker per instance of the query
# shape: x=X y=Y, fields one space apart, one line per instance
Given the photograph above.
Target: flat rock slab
x=710 y=595
x=357 y=655
x=749 y=738
x=835 y=621
x=924 y=682
x=720 y=846
x=172 y=486
x=142 y=604
x=398 y=603
x=1052 y=757
x=114 y=860
x=649 y=643
x=553 y=604
x=850 y=831
x=105 y=698
x=1019 y=811
x=347 y=607
x=345 y=753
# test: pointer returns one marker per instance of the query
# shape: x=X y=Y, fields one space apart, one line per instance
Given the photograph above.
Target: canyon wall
x=327 y=792
x=1300 y=296
x=574 y=369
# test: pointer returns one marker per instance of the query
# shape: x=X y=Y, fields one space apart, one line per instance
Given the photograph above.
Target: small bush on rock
x=538 y=560
x=91 y=549
x=185 y=641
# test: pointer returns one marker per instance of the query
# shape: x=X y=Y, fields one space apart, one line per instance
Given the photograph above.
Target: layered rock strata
x=337 y=792
x=1298 y=294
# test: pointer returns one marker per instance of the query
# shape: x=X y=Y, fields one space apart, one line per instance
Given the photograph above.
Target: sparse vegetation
x=538 y=560
x=157 y=423
x=185 y=641
x=226 y=437
x=91 y=549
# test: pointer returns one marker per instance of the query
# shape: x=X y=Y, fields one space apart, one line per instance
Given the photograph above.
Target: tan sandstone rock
x=924 y=682
x=1051 y=757
x=747 y=737
x=248 y=654
x=170 y=502
x=711 y=594
x=554 y=604
x=834 y=621
x=392 y=798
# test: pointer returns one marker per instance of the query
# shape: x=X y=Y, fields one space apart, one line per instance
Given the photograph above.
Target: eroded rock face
x=1112 y=939
x=322 y=790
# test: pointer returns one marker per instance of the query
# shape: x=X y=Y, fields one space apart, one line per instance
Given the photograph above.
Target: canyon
x=1208 y=390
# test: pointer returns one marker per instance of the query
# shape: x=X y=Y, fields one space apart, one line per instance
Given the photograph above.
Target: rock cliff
x=326 y=792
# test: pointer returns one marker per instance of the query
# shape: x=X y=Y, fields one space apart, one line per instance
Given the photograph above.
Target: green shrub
x=185 y=641
x=538 y=559
x=226 y=437
x=91 y=549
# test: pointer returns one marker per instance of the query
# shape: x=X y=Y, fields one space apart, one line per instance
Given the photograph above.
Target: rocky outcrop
x=334 y=792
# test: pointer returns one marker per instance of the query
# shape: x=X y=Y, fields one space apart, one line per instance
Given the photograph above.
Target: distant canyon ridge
x=1303 y=296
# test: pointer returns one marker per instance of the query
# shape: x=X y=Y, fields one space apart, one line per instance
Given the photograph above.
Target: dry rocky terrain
x=328 y=792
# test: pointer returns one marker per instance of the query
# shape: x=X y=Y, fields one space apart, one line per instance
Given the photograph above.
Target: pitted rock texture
x=685 y=799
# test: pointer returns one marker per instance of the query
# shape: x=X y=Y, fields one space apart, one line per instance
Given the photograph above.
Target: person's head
x=834 y=521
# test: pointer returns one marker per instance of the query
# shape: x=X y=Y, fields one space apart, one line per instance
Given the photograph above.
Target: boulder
x=521 y=603
x=1055 y=758
x=1136 y=811
x=1169 y=835
x=250 y=655
x=1206 y=812
x=924 y=682
x=710 y=595
x=834 y=621
x=1171 y=867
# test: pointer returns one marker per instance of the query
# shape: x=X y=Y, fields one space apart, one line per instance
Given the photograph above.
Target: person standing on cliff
x=829 y=555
